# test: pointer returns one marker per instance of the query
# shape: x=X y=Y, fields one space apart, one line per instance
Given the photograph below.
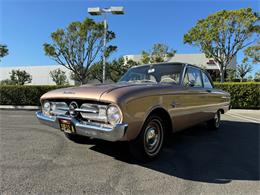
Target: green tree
x=231 y=74
x=242 y=70
x=257 y=76
x=96 y=71
x=250 y=78
x=159 y=53
x=221 y=35
x=3 y=51
x=7 y=82
x=118 y=67
x=114 y=69
x=253 y=53
x=20 y=77
x=59 y=77
x=77 y=46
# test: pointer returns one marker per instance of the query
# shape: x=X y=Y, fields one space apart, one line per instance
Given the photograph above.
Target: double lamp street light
x=97 y=11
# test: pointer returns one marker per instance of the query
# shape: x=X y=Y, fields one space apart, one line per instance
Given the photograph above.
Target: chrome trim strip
x=80 y=110
x=93 y=130
x=86 y=111
x=63 y=109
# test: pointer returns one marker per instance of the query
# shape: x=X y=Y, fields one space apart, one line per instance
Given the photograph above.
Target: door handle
x=174 y=104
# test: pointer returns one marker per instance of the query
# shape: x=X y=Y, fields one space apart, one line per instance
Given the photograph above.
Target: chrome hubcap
x=217 y=119
x=153 y=136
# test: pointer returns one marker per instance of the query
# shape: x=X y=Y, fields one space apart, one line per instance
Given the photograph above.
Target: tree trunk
x=241 y=79
x=221 y=71
x=222 y=75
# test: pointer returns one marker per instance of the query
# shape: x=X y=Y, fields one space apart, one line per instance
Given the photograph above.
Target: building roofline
x=170 y=63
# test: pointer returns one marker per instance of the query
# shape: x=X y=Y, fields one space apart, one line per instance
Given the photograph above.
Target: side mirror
x=192 y=83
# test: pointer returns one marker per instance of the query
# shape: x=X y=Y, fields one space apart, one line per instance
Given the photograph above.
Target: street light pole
x=104 y=49
x=99 y=11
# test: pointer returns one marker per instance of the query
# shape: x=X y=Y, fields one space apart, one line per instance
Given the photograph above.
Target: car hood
x=92 y=92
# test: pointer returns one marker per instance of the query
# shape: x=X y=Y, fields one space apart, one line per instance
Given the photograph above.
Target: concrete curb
x=12 y=107
x=245 y=110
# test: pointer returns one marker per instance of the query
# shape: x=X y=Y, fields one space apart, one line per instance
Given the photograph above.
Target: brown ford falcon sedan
x=148 y=102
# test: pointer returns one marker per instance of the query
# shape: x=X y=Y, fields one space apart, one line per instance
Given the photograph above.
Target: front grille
x=79 y=101
x=90 y=111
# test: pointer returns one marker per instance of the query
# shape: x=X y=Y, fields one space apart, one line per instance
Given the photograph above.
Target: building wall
x=40 y=74
x=194 y=59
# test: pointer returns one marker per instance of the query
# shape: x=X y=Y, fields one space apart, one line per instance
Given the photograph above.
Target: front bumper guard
x=92 y=130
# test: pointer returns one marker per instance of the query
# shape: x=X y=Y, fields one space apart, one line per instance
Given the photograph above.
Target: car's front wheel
x=148 y=144
x=214 y=123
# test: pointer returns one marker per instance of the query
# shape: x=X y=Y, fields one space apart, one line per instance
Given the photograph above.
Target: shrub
x=23 y=94
x=243 y=95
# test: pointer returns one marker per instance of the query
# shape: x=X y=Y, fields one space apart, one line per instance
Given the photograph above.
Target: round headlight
x=113 y=115
x=46 y=107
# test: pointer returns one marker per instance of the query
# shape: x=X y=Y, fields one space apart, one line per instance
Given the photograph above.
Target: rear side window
x=206 y=81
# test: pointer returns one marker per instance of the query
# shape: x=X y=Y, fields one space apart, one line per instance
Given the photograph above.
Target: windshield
x=161 y=73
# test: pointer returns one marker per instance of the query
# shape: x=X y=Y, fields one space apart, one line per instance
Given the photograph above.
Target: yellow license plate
x=66 y=126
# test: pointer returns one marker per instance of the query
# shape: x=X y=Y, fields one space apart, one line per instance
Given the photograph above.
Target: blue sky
x=26 y=24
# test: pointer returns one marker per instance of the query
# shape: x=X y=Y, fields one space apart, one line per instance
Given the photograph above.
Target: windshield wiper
x=138 y=81
x=145 y=81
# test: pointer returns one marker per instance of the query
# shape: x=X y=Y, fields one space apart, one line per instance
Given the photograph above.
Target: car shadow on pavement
x=201 y=154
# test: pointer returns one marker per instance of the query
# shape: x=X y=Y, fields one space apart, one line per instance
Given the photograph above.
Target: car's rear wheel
x=214 y=123
x=148 y=144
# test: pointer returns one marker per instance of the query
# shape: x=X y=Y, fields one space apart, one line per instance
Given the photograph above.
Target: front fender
x=136 y=111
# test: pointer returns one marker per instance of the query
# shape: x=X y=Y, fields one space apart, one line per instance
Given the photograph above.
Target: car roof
x=169 y=63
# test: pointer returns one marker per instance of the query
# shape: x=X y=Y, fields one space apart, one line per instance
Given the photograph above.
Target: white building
x=194 y=59
x=41 y=74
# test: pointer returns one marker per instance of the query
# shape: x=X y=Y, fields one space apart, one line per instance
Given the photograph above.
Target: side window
x=193 y=76
x=206 y=81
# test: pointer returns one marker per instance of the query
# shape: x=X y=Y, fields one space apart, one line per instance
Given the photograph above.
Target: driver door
x=194 y=96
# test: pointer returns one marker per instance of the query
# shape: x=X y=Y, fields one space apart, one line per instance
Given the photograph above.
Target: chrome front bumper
x=99 y=131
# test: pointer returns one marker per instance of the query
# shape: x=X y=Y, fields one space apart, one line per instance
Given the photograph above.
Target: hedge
x=23 y=94
x=243 y=95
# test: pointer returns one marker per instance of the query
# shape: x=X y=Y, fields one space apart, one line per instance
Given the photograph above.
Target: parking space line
x=254 y=120
x=248 y=117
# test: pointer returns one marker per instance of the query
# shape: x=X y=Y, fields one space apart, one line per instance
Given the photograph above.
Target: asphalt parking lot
x=39 y=159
